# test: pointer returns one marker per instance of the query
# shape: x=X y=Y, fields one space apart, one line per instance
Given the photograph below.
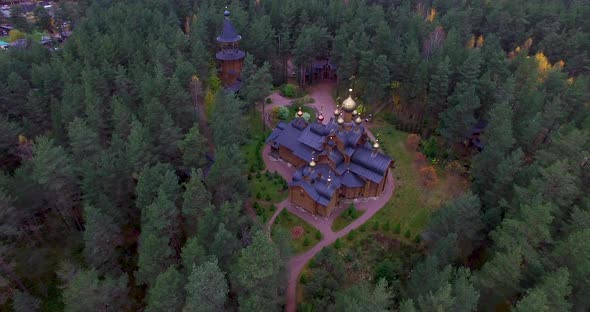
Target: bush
x=456 y=168
x=417 y=239
x=338 y=244
x=419 y=159
x=256 y=205
x=273 y=208
x=408 y=234
x=363 y=228
x=283 y=113
x=268 y=198
x=428 y=176
x=352 y=235
x=386 y=226
x=412 y=142
x=268 y=100
x=318 y=235
x=15 y=35
x=303 y=278
x=430 y=147
x=288 y=90
x=376 y=225
x=306 y=241
x=386 y=269
x=397 y=229
x=258 y=195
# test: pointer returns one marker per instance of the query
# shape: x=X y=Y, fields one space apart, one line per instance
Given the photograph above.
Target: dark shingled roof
x=315 y=182
x=228 y=33
x=230 y=55
x=307 y=140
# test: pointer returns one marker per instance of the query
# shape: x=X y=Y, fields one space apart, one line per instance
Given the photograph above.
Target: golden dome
x=300 y=112
x=340 y=120
x=312 y=163
x=358 y=120
x=336 y=111
x=349 y=104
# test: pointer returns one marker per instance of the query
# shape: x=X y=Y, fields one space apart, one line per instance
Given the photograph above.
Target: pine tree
x=257 y=273
x=196 y=199
x=224 y=245
x=169 y=140
x=258 y=85
x=101 y=239
x=155 y=255
x=193 y=254
x=438 y=91
x=86 y=292
x=206 y=289
x=194 y=149
x=167 y=294
x=458 y=120
x=139 y=147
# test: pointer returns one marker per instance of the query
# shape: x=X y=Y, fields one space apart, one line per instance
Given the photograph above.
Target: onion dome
x=340 y=120
x=226 y=12
x=358 y=120
x=312 y=163
x=336 y=111
x=354 y=112
x=376 y=145
x=349 y=105
x=299 y=112
x=320 y=117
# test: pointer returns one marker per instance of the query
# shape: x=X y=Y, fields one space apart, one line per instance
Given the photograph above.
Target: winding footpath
x=323 y=99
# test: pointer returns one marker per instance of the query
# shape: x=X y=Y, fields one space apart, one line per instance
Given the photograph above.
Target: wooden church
x=335 y=160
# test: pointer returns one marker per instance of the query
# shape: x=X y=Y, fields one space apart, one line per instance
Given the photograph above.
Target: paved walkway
x=322 y=93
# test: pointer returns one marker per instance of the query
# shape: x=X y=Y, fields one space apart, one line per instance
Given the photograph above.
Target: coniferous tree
x=206 y=288
x=86 y=292
x=24 y=302
x=193 y=254
x=102 y=236
x=167 y=294
x=194 y=149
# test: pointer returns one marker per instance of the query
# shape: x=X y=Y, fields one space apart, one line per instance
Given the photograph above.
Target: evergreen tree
x=206 y=289
x=196 y=199
x=86 y=292
x=361 y=297
x=154 y=256
x=193 y=254
x=257 y=86
x=101 y=239
x=139 y=148
x=167 y=294
x=257 y=274
x=438 y=91
x=194 y=149
x=24 y=302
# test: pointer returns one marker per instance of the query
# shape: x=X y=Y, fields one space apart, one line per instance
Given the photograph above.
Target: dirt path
x=322 y=93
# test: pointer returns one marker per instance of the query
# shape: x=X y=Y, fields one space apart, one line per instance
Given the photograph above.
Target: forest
x=114 y=196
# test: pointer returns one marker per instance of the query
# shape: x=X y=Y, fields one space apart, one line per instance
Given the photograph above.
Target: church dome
x=358 y=120
x=349 y=105
x=340 y=120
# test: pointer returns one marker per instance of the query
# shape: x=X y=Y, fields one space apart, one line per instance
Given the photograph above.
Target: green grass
x=345 y=218
x=310 y=237
x=266 y=188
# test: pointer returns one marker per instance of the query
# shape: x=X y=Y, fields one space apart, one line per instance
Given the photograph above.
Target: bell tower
x=230 y=57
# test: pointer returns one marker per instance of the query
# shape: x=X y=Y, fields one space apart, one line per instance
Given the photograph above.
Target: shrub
x=306 y=116
x=428 y=176
x=352 y=235
x=376 y=225
x=283 y=113
x=303 y=278
x=268 y=198
x=258 y=195
x=288 y=90
x=408 y=234
x=397 y=229
x=268 y=100
x=256 y=205
x=417 y=239
x=412 y=142
x=455 y=168
x=386 y=226
x=419 y=159
x=430 y=147
x=338 y=244
x=318 y=235
x=15 y=35
x=386 y=269
x=273 y=208
x=363 y=228
x=258 y=175
x=306 y=241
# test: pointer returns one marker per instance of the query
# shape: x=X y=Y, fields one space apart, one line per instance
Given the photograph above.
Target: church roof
x=307 y=141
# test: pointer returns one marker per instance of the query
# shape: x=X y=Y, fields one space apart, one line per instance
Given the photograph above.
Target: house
x=334 y=161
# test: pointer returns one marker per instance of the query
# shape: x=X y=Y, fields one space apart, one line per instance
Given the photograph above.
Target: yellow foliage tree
x=15 y=34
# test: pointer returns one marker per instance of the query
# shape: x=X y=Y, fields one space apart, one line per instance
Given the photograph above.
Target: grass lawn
x=265 y=188
x=310 y=237
x=344 y=219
